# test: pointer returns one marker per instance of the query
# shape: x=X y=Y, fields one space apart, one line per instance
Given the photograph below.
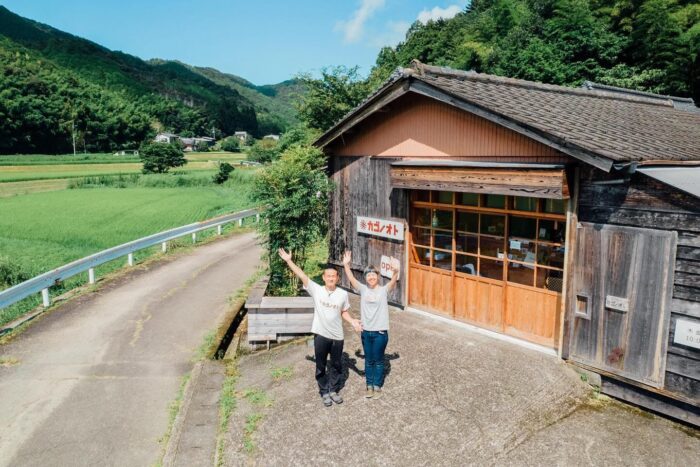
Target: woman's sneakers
x=369 y=393
x=377 y=392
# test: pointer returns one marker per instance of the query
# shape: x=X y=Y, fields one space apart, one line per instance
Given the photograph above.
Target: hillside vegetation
x=55 y=86
x=649 y=45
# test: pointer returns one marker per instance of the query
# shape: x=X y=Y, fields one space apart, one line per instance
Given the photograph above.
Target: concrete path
x=452 y=397
x=95 y=377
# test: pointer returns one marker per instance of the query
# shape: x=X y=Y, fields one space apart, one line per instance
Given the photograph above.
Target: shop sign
x=687 y=333
x=380 y=227
x=385 y=266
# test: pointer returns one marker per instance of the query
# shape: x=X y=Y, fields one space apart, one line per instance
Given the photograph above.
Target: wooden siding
x=417 y=126
x=536 y=183
x=644 y=202
x=363 y=188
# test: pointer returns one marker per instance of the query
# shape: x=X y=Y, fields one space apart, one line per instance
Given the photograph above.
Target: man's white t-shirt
x=374 y=309
x=327 y=309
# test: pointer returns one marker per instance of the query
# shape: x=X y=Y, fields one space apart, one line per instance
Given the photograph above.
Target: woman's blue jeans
x=374 y=344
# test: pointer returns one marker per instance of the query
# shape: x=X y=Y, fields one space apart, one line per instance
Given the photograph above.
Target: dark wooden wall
x=644 y=202
x=363 y=188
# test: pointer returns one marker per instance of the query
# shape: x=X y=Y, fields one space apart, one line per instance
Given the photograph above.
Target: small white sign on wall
x=380 y=227
x=617 y=303
x=385 y=266
x=687 y=333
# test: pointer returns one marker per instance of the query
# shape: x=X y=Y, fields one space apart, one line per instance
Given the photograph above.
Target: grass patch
x=251 y=425
x=207 y=347
x=173 y=410
x=8 y=361
x=281 y=373
x=257 y=397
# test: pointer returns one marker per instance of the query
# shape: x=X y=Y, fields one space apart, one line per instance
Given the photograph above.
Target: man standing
x=330 y=303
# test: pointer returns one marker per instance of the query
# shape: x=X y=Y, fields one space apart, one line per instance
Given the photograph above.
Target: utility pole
x=73 y=134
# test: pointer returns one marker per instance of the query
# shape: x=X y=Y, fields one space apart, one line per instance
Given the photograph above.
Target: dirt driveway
x=452 y=397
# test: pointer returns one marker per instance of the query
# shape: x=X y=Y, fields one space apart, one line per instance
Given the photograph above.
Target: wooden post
x=257 y=218
x=164 y=247
x=240 y=222
x=45 y=298
x=194 y=237
x=91 y=275
x=130 y=259
x=218 y=229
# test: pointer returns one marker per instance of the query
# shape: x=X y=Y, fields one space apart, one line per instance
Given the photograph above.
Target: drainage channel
x=229 y=334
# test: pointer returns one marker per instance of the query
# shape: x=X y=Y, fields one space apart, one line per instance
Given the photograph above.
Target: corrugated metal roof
x=684 y=178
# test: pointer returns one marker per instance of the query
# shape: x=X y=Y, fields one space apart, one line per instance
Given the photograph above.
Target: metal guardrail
x=42 y=282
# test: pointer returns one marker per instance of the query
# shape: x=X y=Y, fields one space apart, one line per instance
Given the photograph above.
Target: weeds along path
x=90 y=383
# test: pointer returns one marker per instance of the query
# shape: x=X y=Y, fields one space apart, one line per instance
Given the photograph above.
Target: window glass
x=493 y=224
x=521 y=250
x=555 y=206
x=442 y=239
x=491 y=246
x=421 y=195
x=521 y=274
x=550 y=255
x=468 y=199
x=421 y=256
x=552 y=231
x=550 y=279
x=467 y=243
x=421 y=236
x=495 y=201
x=444 y=197
x=442 y=260
x=491 y=268
x=522 y=227
x=466 y=264
x=522 y=203
x=467 y=221
x=421 y=216
x=442 y=219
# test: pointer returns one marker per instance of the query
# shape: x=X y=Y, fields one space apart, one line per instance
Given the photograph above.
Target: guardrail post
x=130 y=259
x=164 y=247
x=45 y=298
x=257 y=218
x=218 y=229
x=91 y=275
x=194 y=237
x=240 y=222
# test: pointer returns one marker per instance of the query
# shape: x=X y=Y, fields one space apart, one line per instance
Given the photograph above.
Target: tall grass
x=174 y=180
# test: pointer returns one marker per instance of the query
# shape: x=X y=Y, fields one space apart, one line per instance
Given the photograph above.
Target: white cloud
x=353 y=29
x=394 y=32
x=439 y=13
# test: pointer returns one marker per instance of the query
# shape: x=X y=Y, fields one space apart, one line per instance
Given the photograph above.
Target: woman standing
x=374 y=311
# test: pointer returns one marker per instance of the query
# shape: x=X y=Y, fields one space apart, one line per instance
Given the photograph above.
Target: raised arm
x=347 y=258
x=287 y=258
x=395 y=270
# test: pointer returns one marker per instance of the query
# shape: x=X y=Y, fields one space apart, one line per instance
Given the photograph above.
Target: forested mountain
x=650 y=45
x=54 y=86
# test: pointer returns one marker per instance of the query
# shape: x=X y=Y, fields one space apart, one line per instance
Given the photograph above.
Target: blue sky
x=264 y=41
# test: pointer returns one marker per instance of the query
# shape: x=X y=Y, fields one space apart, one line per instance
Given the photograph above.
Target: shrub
x=161 y=157
x=294 y=192
x=264 y=151
x=231 y=144
x=222 y=175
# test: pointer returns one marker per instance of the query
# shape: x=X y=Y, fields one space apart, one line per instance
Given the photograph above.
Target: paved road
x=95 y=377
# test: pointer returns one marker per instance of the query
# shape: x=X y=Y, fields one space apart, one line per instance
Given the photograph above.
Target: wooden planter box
x=277 y=318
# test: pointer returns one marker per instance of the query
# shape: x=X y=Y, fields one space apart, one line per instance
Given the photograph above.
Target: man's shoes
x=327 y=400
x=335 y=397
x=369 y=392
x=377 y=392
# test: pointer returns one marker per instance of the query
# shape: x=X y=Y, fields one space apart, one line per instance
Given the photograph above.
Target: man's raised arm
x=287 y=258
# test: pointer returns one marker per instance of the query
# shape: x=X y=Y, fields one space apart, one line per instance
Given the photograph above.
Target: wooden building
x=565 y=218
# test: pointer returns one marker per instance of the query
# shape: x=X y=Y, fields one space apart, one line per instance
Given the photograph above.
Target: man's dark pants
x=328 y=381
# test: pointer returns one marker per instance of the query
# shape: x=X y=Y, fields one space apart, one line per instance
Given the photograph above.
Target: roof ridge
x=423 y=69
x=591 y=85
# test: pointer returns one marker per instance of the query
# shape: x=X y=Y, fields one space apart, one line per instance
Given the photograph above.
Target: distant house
x=127 y=152
x=242 y=135
x=166 y=138
x=188 y=144
x=272 y=137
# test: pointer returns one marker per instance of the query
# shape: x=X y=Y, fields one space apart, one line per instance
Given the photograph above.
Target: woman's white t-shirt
x=374 y=309
x=327 y=309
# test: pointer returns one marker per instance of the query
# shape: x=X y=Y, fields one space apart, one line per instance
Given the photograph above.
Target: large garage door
x=491 y=260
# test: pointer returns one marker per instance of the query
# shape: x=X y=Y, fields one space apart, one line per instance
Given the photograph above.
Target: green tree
x=264 y=151
x=231 y=144
x=294 y=192
x=223 y=174
x=161 y=157
x=328 y=99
